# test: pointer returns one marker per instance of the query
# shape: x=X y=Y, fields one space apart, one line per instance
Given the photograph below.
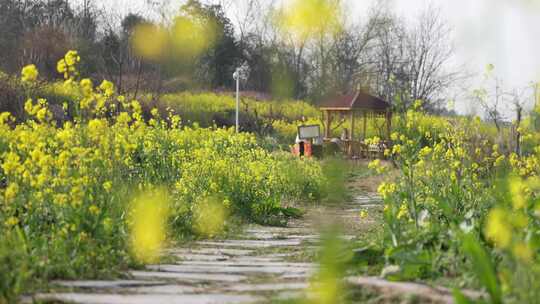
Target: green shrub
x=15 y=269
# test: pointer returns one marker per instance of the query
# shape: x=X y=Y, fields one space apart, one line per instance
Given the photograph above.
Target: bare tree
x=492 y=103
x=429 y=50
x=410 y=61
x=349 y=59
x=519 y=99
x=388 y=58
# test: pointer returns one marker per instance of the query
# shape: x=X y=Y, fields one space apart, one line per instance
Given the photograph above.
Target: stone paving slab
x=256 y=259
x=202 y=257
x=90 y=284
x=304 y=237
x=364 y=207
x=241 y=263
x=264 y=235
x=164 y=289
x=211 y=269
x=253 y=243
x=278 y=230
x=276 y=236
x=282 y=255
x=81 y=298
x=214 y=251
x=188 y=258
x=189 y=277
x=369 y=199
x=267 y=287
x=288 y=295
x=297 y=276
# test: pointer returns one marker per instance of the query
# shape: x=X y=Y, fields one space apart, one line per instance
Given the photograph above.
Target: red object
x=308 y=151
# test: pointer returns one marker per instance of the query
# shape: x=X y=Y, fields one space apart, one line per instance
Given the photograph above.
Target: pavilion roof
x=355 y=101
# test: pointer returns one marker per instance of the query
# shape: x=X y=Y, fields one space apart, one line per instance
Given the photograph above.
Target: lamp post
x=241 y=73
x=236 y=77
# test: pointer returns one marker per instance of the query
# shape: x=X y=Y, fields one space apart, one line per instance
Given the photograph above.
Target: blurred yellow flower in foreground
x=209 y=217
x=327 y=285
x=522 y=252
x=150 y=41
x=312 y=18
x=193 y=35
x=149 y=225
x=497 y=229
x=518 y=191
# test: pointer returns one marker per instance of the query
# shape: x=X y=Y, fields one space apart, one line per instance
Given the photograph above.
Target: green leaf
x=483 y=266
x=292 y=212
x=460 y=298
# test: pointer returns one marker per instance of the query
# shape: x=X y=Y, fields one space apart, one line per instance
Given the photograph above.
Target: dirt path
x=262 y=265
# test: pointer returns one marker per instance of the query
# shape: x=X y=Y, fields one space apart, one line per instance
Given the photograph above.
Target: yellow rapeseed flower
x=87 y=87
x=425 y=151
x=499 y=161
x=29 y=107
x=72 y=58
x=107 y=186
x=363 y=214
x=374 y=164
x=12 y=221
x=386 y=189
x=60 y=199
x=61 y=66
x=93 y=209
x=11 y=192
x=29 y=73
x=11 y=163
x=522 y=252
x=403 y=211
x=107 y=88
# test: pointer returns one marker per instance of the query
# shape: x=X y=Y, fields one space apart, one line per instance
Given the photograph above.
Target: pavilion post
x=328 y=122
x=351 y=142
x=365 y=126
x=352 y=124
x=388 y=124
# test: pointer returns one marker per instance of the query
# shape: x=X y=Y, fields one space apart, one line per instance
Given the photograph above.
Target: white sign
x=309 y=132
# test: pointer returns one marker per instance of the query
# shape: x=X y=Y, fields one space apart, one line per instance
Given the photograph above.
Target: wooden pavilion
x=351 y=106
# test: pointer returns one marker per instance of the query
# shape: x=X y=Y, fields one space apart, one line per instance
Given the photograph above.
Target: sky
x=505 y=33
